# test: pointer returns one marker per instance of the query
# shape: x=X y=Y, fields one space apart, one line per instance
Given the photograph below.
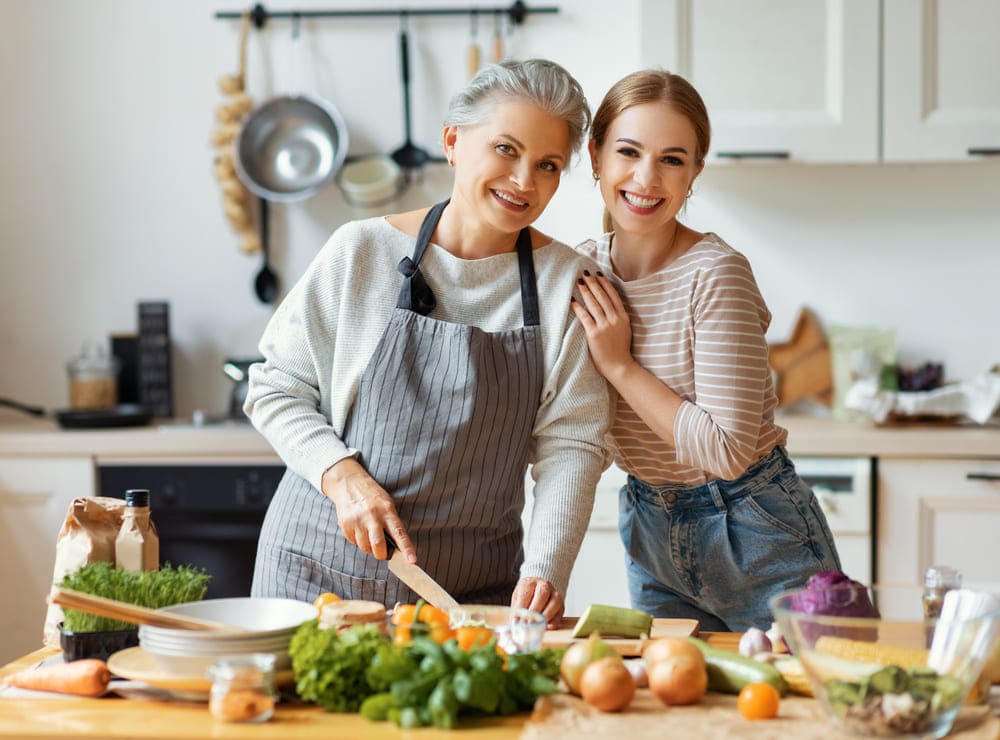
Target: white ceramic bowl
x=370 y=181
x=269 y=624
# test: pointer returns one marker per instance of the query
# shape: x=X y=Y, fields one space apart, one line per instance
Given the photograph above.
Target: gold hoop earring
x=690 y=192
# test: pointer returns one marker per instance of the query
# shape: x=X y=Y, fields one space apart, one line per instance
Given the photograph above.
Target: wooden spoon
x=113 y=609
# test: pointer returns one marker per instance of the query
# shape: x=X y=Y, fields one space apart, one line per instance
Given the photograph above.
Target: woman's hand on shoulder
x=539 y=595
x=365 y=512
x=606 y=323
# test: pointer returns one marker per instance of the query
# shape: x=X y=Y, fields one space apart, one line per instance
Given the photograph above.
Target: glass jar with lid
x=93 y=379
x=242 y=688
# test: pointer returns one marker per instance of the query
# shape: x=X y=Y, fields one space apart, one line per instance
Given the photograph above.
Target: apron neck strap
x=415 y=295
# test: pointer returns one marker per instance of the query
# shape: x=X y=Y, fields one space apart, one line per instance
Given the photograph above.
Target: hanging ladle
x=410 y=157
x=265 y=285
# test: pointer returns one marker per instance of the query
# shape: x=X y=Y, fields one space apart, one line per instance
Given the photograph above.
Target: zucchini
x=613 y=621
x=729 y=672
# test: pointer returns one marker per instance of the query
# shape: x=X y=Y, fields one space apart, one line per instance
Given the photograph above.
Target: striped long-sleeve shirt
x=698 y=325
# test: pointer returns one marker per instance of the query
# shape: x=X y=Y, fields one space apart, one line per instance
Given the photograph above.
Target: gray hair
x=539 y=81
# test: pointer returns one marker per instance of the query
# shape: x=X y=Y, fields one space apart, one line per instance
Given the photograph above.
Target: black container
x=99 y=645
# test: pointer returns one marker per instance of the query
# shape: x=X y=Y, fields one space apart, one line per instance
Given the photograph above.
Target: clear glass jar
x=93 y=379
x=243 y=688
x=938 y=580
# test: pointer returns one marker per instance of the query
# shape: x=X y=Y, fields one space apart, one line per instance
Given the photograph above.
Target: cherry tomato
x=758 y=701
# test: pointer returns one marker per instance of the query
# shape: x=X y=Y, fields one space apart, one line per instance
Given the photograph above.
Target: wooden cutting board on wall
x=627 y=646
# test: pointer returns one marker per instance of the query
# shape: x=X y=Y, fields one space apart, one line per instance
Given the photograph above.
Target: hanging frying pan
x=123 y=415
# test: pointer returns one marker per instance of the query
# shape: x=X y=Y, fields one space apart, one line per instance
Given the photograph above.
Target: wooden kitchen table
x=115 y=717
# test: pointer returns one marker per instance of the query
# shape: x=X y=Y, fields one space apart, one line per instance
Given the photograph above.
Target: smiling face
x=507 y=168
x=647 y=164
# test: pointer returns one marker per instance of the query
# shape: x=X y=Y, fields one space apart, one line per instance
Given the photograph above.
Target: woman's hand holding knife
x=365 y=511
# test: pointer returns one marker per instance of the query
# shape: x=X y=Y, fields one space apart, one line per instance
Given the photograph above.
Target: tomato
x=473 y=637
x=416 y=619
x=325 y=598
x=758 y=701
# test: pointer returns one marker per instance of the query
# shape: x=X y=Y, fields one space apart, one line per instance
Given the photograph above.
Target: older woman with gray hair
x=424 y=360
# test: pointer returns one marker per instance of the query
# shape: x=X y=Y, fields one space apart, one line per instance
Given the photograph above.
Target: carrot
x=81 y=677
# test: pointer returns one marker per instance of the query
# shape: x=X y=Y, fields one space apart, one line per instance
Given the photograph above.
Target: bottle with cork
x=137 y=546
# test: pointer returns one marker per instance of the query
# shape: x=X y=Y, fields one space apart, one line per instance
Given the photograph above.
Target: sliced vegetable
x=613 y=621
x=729 y=672
x=795 y=675
x=411 y=620
x=79 y=677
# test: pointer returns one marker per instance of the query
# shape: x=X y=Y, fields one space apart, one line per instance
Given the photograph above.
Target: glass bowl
x=895 y=675
x=518 y=630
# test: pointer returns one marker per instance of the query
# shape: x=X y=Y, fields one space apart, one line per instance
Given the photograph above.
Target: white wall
x=107 y=195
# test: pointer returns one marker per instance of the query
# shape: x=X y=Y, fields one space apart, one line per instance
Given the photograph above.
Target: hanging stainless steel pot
x=290 y=146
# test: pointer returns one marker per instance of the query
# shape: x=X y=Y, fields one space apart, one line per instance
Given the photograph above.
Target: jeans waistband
x=716 y=493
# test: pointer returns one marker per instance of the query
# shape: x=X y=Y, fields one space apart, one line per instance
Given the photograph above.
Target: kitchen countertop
x=114 y=717
x=807 y=435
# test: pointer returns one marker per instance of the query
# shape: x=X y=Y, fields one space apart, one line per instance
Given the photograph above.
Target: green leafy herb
x=150 y=588
x=418 y=684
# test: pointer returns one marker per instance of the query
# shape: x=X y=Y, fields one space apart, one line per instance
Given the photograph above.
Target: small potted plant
x=85 y=635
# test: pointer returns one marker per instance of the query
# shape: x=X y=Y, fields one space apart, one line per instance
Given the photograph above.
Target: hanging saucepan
x=290 y=146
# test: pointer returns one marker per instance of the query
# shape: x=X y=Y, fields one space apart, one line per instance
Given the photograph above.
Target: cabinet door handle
x=983 y=151
x=983 y=476
x=753 y=155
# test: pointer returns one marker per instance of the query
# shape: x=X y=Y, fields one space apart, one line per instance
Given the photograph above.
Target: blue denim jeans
x=718 y=552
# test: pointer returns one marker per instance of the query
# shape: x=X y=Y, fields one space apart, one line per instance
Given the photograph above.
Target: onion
x=665 y=648
x=678 y=680
x=754 y=641
x=638 y=670
x=579 y=656
x=607 y=685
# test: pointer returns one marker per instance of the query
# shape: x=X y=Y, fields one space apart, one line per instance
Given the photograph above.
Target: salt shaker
x=242 y=688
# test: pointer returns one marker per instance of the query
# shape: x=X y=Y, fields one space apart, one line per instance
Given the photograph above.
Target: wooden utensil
x=70 y=599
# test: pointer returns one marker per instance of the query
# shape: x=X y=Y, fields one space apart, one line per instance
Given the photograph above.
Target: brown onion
x=678 y=680
x=579 y=656
x=607 y=685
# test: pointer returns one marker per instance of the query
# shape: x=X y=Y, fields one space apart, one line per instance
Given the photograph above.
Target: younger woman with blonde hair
x=714 y=518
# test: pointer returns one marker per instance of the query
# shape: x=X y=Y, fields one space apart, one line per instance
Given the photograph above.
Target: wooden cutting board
x=627 y=646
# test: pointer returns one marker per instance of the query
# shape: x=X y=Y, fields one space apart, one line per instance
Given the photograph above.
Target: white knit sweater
x=323 y=334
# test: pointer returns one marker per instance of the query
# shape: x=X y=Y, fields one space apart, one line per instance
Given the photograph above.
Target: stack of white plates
x=267 y=626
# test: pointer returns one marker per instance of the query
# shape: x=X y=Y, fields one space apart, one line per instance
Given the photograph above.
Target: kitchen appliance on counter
x=208 y=515
x=239 y=372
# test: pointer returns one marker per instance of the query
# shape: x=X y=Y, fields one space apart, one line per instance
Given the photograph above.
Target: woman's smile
x=640 y=204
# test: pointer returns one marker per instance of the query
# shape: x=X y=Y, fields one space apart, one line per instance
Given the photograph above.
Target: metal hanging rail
x=516 y=12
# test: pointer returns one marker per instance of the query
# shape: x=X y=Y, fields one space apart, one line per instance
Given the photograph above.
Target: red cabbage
x=834 y=594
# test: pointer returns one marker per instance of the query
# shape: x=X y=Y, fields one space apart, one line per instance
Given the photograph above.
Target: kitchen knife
x=417 y=578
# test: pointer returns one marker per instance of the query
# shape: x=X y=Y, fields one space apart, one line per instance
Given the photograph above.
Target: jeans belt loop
x=717 y=498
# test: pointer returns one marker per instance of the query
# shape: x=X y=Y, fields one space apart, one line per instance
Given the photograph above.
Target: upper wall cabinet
x=942 y=79
x=836 y=80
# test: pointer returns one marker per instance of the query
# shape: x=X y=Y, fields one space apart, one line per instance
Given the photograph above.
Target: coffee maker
x=239 y=372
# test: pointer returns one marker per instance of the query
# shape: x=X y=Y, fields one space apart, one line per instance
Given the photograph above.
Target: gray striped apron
x=443 y=421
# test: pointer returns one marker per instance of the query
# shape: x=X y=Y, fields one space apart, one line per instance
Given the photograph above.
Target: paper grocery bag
x=87 y=536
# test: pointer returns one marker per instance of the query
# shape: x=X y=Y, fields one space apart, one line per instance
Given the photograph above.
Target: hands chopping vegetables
x=365 y=511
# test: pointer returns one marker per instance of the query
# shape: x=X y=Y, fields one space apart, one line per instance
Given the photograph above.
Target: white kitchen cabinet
x=939 y=511
x=782 y=79
x=35 y=494
x=942 y=94
x=842 y=81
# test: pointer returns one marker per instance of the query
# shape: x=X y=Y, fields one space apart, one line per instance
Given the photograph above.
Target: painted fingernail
x=587 y=273
x=600 y=274
x=580 y=281
x=572 y=299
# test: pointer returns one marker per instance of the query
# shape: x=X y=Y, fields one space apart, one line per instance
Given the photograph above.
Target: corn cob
x=795 y=676
x=871 y=652
x=613 y=621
